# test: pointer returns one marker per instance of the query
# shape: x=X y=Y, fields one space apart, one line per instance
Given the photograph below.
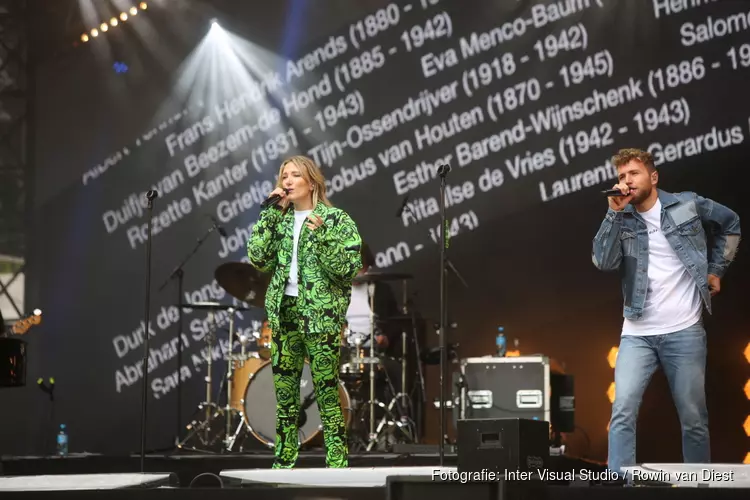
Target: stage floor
x=373 y=476
x=188 y=465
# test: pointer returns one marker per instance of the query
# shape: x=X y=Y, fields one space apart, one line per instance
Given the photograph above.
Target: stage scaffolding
x=15 y=161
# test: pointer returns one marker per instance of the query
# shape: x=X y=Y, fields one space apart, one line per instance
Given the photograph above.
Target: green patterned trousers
x=288 y=350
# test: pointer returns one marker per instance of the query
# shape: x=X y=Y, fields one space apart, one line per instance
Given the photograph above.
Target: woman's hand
x=314 y=222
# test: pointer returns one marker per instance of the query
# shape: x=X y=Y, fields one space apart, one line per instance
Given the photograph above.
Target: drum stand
x=371 y=360
x=388 y=417
x=201 y=428
x=419 y=383
x=240 y=425
x=372 y=435
x=229 y=438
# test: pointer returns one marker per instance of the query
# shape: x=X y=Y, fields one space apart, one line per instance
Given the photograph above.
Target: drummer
x=358 y=315
x=387 y=335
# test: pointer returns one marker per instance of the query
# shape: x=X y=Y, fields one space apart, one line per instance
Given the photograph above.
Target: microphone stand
x=180 y=274
x=442 y=172
x=150 y=196
x=445 y=263
x=455 y=271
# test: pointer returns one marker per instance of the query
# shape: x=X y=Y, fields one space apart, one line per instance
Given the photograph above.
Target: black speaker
x=562 y=402
x=503 y=445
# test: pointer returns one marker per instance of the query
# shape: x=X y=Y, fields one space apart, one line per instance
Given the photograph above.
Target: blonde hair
x=312 y=174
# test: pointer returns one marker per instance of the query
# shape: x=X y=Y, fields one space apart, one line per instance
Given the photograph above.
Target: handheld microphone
x=613 y=192
x=272 y=200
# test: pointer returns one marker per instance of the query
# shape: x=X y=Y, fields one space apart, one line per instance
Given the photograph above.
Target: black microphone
x=273 y=199
x=614 y=192
x=403 y=205
x=218 y=226
x=443 y=170
x=150 y=195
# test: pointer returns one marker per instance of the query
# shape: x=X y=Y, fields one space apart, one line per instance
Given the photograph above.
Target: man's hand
x=714 y=284
x=617 y=203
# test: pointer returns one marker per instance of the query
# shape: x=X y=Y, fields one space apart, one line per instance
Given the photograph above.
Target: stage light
x=612 y=360
x=113 y=21
x=120 y=67
x=611 y=392
x=746 y=425
x=612 y=357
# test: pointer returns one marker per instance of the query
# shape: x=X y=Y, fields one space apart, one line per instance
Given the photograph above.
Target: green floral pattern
x=328 y=259
x=287 y=359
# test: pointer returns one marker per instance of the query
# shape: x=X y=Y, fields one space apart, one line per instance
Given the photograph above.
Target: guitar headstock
x=23 y=325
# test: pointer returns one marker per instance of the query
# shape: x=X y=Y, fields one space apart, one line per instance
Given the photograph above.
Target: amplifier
x=516 y=387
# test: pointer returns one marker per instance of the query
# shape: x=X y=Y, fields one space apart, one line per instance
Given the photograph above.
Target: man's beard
x=640 y=195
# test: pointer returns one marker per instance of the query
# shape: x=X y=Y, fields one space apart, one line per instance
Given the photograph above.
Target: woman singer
x=313 y=252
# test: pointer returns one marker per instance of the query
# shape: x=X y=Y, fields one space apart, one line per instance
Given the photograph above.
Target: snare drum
x=355 y=358
x=260 y=406
x=350 y=350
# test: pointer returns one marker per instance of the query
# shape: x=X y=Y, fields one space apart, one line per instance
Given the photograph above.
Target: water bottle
x=62 y=441
x=500 y=342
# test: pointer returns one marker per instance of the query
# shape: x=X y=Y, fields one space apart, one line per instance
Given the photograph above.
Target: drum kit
x=248 y=391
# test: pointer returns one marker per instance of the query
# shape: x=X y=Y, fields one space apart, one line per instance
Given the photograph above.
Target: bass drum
x=260 y=406
x=243 y=373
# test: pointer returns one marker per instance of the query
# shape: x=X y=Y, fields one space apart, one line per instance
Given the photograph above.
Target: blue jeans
x=682 y=356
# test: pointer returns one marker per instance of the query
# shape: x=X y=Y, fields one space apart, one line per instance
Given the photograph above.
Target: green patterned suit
x=328 y=258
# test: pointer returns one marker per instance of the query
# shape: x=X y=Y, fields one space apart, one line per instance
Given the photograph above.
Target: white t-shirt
x=673 y=301
x=291 y=285
x=358 y=315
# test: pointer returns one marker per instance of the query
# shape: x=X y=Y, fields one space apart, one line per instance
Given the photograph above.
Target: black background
x=527 y=264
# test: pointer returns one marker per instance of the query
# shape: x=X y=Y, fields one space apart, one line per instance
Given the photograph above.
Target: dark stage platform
x=370 y=477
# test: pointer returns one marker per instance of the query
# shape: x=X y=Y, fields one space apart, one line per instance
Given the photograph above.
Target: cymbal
x=212 y=306
x=376 y=276
x=242 y=281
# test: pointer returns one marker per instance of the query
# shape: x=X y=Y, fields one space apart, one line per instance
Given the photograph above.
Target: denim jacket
x=686 y=219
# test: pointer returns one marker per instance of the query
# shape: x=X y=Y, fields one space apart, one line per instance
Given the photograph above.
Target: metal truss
x=15 y=171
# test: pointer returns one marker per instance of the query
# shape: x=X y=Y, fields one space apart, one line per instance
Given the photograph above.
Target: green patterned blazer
x=328 y=259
